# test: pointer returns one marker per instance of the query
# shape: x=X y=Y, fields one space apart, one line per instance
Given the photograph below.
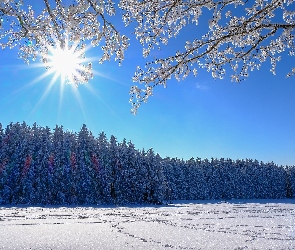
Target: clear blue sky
x=198 y=117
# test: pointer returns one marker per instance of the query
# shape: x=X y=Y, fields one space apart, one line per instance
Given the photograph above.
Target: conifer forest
x=57 y=167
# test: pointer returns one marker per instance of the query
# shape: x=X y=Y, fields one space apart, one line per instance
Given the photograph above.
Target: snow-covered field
x=236 y=224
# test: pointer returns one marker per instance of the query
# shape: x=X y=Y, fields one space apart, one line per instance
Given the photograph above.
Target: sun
x=67 y=63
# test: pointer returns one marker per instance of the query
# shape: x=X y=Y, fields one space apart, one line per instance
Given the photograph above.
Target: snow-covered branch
x=85 y=21
x=241 y=35
x=236 y=42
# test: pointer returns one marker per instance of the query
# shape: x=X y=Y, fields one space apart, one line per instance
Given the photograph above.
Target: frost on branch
x=241 y=36
x=61 y=26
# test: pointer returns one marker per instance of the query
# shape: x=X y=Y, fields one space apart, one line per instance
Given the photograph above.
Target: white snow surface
x=235 y=224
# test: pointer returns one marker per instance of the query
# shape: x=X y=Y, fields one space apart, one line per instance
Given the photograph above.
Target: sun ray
x=45 y=93
x=81 y=104
x=123 y=83
x=68 y=66
x=60 y=101
x=94 y=92
x=36 y=80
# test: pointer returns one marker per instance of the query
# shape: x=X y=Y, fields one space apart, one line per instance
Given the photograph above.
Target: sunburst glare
x=67 y=63
x=64 y=62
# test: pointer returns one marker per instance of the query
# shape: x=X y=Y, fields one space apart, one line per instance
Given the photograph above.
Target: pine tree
x=103 y=177
x=122 y=168
x=93 y=170
x=196 y=179
x=27 y=172
x=113 y=169
x=16 y=155
x=70 y=167
x=3 y=163
x=155 y=178
x=83 y=164
x=45 y=168
x=56 y=164
x=130 y=174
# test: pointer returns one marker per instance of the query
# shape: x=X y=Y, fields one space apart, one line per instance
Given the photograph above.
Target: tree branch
x=55 y=24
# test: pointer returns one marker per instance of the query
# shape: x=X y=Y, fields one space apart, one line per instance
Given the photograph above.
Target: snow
x=235 y=224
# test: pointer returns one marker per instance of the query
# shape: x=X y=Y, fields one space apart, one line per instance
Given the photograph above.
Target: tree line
x=43 y=166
